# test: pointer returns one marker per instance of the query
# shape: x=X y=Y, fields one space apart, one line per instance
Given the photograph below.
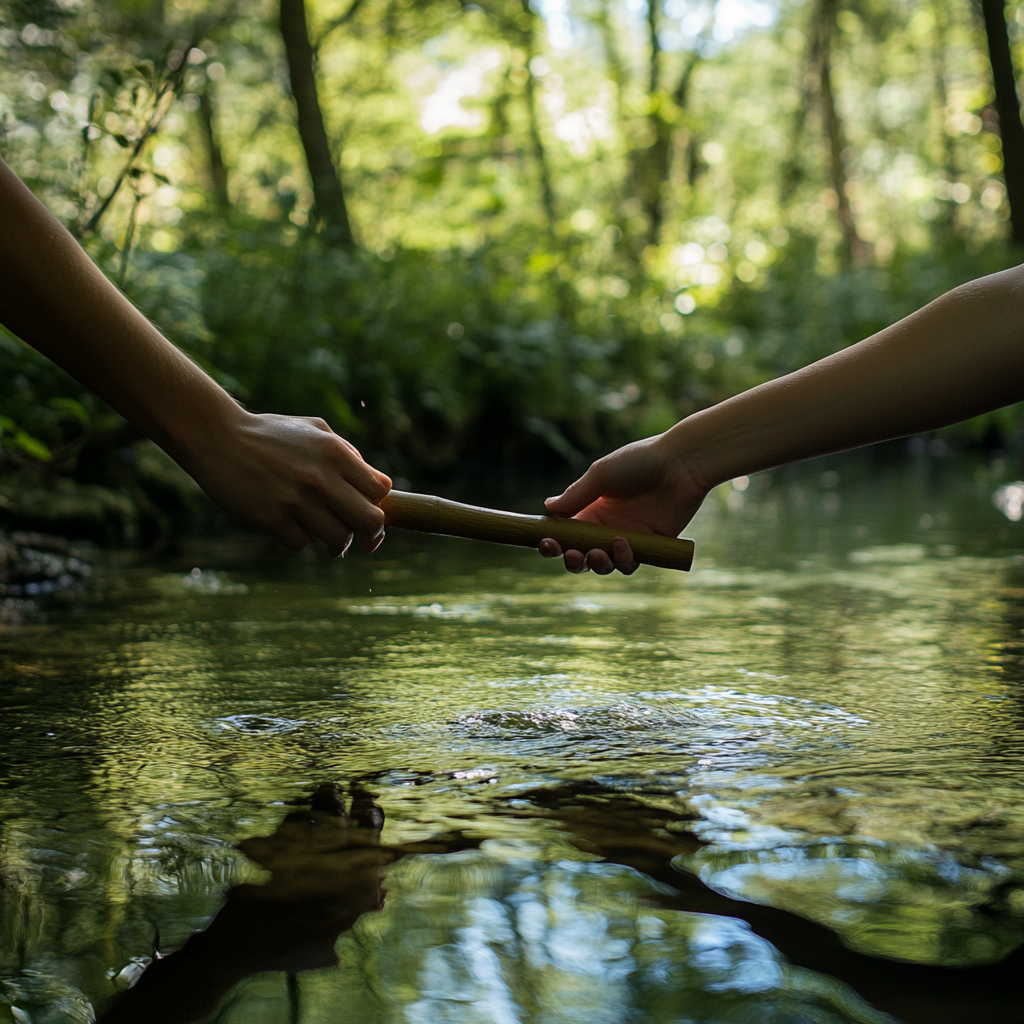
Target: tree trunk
x=329 y=199
x=651 y=164
x=948 y=146
x=1008 y=107
x=547 y=190
x=655 y=43
x=215 y=156
x=615 y=68
x=822 y=38
x=652 y=167
x=613 y=61
x=793 y=170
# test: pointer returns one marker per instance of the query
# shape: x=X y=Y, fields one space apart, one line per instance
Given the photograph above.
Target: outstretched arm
x=288 y=476
x=959 y=356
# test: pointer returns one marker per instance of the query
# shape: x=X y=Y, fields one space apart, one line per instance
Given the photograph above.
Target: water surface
x=785 y=786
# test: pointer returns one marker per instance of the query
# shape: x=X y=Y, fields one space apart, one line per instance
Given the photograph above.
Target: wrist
x=200 y=424
x=686 y=445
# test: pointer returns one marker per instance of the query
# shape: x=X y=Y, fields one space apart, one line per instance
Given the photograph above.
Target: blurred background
x=489 y=241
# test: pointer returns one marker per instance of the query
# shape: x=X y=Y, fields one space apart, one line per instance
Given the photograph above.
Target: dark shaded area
x=35 y=567
x=330 y=199
x=327 y=867
x=1011 y=131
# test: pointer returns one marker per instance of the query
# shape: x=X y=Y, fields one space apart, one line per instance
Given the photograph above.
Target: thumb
x=579 y=495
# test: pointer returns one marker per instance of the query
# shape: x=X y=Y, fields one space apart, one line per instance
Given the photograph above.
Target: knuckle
x=341 y=453
x=373 y=519
x=292 y=514
x=309 y=478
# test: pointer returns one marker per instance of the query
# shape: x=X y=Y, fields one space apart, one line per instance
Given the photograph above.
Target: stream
x=451 y=783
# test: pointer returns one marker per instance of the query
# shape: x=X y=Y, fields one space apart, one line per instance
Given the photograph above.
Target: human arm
x=959 y=356
x=288 y=476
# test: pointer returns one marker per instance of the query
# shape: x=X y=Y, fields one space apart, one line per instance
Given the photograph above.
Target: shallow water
x=785 y=786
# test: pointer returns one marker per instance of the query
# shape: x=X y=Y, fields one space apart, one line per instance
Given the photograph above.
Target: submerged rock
x=34 y=566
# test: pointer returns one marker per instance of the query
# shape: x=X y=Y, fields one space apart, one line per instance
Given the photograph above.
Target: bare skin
x=958 y=357
x=289 y=476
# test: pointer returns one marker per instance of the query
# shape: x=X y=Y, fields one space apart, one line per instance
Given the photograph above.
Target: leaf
x=32 y=446
x=161 y=177
x=6 y=423
x=73 y=406
x=121 y=141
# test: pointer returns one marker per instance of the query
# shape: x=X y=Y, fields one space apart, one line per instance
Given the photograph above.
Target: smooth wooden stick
x=427 y=514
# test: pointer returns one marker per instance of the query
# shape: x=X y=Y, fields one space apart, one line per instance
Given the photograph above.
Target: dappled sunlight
x=488 y=243
x=594 y=206
x=443 y=108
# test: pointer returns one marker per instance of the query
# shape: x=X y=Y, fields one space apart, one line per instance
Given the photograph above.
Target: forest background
x=487 y=240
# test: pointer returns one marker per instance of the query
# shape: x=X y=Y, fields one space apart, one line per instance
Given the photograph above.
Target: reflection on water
x=886 y=899
x=783 y=787
x=326 y=867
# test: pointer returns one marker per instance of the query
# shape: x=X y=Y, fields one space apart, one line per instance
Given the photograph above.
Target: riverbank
x=35 y=566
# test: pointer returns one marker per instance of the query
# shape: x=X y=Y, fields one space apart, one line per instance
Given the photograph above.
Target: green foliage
x=40 y=416
x=412 y=356
x=560 y=247
x=22 y=441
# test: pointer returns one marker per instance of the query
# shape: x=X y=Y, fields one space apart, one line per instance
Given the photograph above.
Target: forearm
x=961 y=355
x=290 y=476
x=56 y=299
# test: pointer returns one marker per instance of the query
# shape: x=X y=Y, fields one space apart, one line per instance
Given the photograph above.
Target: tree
x=940 y=74
x=1008 y=107
x=650 y=163
x=215 y=155
x=823 y=32
x=328 y=195
x=528 y=23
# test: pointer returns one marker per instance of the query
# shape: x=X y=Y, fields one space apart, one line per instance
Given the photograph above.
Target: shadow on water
x=327 y=866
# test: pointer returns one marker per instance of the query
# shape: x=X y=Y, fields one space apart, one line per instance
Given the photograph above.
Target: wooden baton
x=428 y=514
